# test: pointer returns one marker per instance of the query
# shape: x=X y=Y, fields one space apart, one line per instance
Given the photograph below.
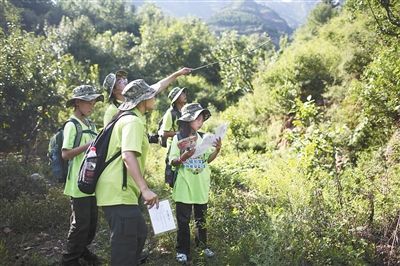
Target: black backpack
x=101 y=144
x=59 y=166
x=175 y=115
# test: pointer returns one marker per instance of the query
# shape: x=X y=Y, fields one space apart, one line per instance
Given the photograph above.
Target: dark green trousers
x=128 y=233
x=83 y=224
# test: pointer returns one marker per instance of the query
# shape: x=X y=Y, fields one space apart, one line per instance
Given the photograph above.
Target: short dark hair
x=184 y=128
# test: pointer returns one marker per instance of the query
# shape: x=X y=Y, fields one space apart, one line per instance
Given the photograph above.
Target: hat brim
x=111 y=89
x=119 y=73
x=177 y=95
x=98 y=97
x=130 y=104
x=191 y=117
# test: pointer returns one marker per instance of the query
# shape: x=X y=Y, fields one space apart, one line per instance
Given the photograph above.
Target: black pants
x=128 y=233
x=183 y=213
x=83 y=224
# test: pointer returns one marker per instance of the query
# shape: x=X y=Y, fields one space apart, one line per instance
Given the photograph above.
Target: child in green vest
x=192 y=184
x=83 y=220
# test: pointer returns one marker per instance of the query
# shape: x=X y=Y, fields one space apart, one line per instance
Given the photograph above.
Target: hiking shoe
x=143 y=258
x=70 y=263
x=181 y=258
x=90 y=258
x=209 y=253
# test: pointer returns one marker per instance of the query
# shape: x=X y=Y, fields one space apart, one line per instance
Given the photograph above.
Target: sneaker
x=209 y=253
x=181 y=258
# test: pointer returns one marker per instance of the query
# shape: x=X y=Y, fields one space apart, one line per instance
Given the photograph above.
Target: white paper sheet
x=162 y=218
x=209 y=139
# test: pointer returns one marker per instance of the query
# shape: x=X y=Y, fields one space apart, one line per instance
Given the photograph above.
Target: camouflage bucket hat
x=109 y=81
x=192 y=110
x=175 y=93
x=135 y=92
x=85 y=93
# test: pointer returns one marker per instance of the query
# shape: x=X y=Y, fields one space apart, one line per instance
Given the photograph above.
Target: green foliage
x=199 y=90
x=34 y=13
x=112 y=52
x=28 y=215
x=384 y=16
x=244 y=54
x=239 y=229
x=239 y=127
x=308 y=173
x=4 y=254
x=75 y=36
x=167 y=44
x=9 y=15
x=321 y=14
x=380 y=97
x=114 y=15
x=33 y=81
x=17 y=178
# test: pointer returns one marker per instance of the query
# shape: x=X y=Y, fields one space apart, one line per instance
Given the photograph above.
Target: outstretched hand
x=184 y=71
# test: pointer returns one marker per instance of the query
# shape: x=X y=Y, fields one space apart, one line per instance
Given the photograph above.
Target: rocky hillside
x=248 y=17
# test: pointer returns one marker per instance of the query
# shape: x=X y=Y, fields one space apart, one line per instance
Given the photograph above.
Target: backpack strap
x=179 y=136
x=175 y=114
x=79 y=132
x=78 y=136
x=92 y=128
x=116 y=103
x=118 y=153
x=124 y=170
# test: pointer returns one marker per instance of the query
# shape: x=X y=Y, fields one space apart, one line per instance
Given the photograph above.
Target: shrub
x=17 y=178
x=27 y=214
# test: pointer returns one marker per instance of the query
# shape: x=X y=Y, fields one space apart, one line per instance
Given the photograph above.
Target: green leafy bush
x=17 y=178
x=26 y=214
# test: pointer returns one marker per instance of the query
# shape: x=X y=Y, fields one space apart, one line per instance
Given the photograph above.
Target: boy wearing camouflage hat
x=169 y=127
x=114 y=84
x=83 y=220
x=121 y=204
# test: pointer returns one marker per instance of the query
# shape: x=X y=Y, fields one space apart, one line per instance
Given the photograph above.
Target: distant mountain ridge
x=248 y=17
x=294 y=12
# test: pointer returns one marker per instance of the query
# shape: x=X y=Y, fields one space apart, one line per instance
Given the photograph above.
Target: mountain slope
x=295 y=12
x=248 y=17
